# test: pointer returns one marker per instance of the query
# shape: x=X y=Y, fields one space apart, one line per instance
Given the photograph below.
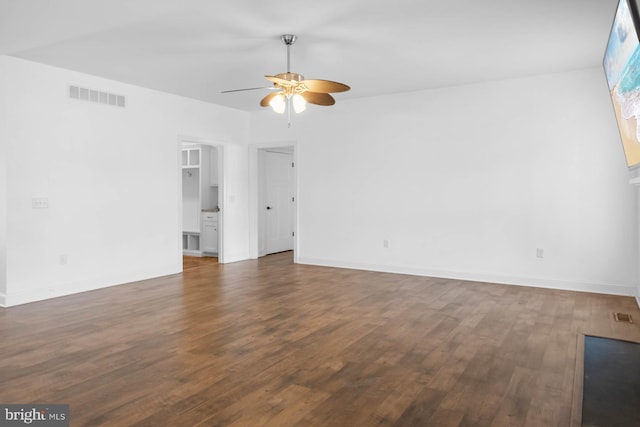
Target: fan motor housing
x=292 y=77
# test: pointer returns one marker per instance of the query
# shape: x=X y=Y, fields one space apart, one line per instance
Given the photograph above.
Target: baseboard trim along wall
x=39 y=294
x=235 y=257
x=35 y=293
x=599 y=288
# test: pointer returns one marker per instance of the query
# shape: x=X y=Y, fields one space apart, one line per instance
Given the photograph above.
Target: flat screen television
x=622 y=69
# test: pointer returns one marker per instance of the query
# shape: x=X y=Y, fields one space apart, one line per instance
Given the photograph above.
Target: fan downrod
x=288 y=40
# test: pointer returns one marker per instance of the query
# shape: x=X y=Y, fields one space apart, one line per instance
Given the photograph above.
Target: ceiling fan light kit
x=293 y=91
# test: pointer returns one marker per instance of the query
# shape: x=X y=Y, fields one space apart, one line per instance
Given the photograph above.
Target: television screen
x=622 y=69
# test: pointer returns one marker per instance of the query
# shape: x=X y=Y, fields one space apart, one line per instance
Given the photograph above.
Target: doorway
x=276 y=200
x=201 y=200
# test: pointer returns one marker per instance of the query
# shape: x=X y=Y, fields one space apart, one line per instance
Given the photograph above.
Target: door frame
x=255 y=196
x=263 y=192
x=219 y=146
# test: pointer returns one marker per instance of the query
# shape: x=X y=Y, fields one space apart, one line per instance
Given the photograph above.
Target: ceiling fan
x=293 y=91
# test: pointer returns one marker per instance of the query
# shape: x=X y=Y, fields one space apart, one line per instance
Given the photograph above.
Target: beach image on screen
x=622 y=69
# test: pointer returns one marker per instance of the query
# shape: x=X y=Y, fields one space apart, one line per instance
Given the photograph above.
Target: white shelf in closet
x=191 y=157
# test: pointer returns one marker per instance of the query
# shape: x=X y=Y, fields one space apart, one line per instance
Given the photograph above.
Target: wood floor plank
x=270 y=343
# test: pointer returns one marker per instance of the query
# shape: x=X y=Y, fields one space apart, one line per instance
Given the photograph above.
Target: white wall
x=467 y=182
x=112 y=178
x=235 y=206
x=3 y=185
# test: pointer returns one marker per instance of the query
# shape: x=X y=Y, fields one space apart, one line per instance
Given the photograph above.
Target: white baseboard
x=188 y=252
x=235 y=258
x=3 y=300
x=600 y=288
x=41 y=293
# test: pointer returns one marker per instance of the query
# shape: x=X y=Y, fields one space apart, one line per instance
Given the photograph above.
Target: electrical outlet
x=39 y=203
x=539 y=252
x=385 y=244
x=63 y=259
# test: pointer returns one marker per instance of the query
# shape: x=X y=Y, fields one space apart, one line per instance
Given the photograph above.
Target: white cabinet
x=209 y=241
x=191 y=157
x=191 y=244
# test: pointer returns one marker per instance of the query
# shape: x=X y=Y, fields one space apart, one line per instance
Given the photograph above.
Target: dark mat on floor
x=611 y=393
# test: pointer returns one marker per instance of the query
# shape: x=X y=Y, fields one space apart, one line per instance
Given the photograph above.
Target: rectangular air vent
x=99 y=97
x=623 y=317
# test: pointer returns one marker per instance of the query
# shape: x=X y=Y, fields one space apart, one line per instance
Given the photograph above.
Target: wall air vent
x=99 y=97
x=623 y=317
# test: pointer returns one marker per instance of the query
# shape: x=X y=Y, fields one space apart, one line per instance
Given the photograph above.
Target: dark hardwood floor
x=189 y=262
x=269 y=342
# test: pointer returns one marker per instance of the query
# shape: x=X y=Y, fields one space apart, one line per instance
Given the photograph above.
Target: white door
x=279 y=202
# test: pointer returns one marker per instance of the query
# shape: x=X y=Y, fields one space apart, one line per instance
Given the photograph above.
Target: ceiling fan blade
x=265 y=101
x=324 y=86
x=281 y=82
x=249 y=88
x=318 y=98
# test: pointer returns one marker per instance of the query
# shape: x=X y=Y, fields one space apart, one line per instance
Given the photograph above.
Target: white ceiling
x=198 y=48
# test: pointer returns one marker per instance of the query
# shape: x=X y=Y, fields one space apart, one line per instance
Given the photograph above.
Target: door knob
x=268 y=207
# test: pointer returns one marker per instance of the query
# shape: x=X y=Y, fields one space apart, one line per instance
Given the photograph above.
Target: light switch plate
x=39 y=203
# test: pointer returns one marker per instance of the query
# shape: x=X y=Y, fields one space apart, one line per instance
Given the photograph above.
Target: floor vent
x=623 y=317
x=92 y=95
